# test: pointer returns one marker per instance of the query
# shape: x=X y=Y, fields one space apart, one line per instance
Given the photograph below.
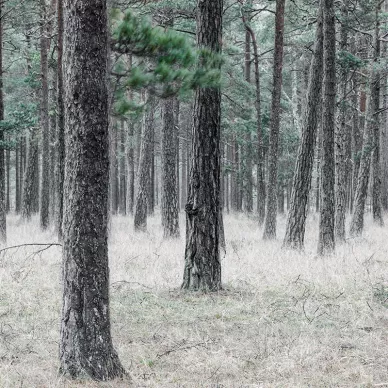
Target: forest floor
x=285 y=319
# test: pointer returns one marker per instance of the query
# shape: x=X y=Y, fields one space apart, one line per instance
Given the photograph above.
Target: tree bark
x=326 y=243
x=86 y=348
x=297 y=214
x=145 y=160
x=270 y=218
x=357 y=222
x=60 y=166
x=340 y=138
x=170 y=220
x=44 y=120
x=376 y=177
x=123 y=174
x=3 y=210
x=203 y=210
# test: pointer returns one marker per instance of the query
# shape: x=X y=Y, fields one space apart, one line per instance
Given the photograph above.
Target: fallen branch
x=47 y=246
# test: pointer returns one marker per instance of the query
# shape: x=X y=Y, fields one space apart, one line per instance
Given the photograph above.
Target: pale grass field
x=285 y=319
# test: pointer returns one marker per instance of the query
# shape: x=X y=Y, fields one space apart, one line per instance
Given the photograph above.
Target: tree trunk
x=3 y=210
x=123 y=174
x=270 y=219
x=326 y=243
x=340 y=138
x=357 y=222
x=60 y=167
x=30 y=178
x=145 y=160
x=17 y=177
x=260 y=148
x=247 y=170
x=170 y=220
x=44 y=120
x=203 y=210
x=296 y=221
x=8 y=169
x=376 y=182
x=113 y=173
x=86 y=348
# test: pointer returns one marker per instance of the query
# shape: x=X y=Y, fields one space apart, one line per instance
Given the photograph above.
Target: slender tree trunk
x=261 y=191
x=296 y=221
x=184 y=169
x=29 y=186
x=170 y=210
x=376 y=177
x=44 y=121
x=203 y=210
x=114 y=178
x=123 y=174
x=86 y=348
x=248 y=189
x=357 y=222
x=270 y=219
x=326 y=243
x=3 y=210
x=151 y=180
x=60 y=166
x=17 y=177
x=53 y=141
x=8 y=169
x=145 y=160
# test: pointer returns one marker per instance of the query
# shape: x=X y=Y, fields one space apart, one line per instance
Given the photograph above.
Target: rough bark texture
x=248 y=184
x=3 y=212
x=261 y=190
x=376 y=177
x=44 y=120
x=86 y=348
x=60 y=166
x=326 y=243
x=340 y=138
x=271 y=205
x=203 y=210
x=357 y=222
x=296 y=221
x=29 y=186
x=170 y=210
x=145 y=160
x=17 y=178
x=123 y=173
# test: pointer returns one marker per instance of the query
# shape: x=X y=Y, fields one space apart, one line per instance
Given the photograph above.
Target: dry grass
x=284 y=320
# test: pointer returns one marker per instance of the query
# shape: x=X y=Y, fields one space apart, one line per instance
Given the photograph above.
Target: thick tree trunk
x=203 y=210
x=326 y=243
x=145 y=160
x=44 y=120
x=270 y=218
x=184 y=168
x=297 y=214
x=341 y=137
x=170 y=220
x=357 y=222
x=60 y=166
x=86 y=348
